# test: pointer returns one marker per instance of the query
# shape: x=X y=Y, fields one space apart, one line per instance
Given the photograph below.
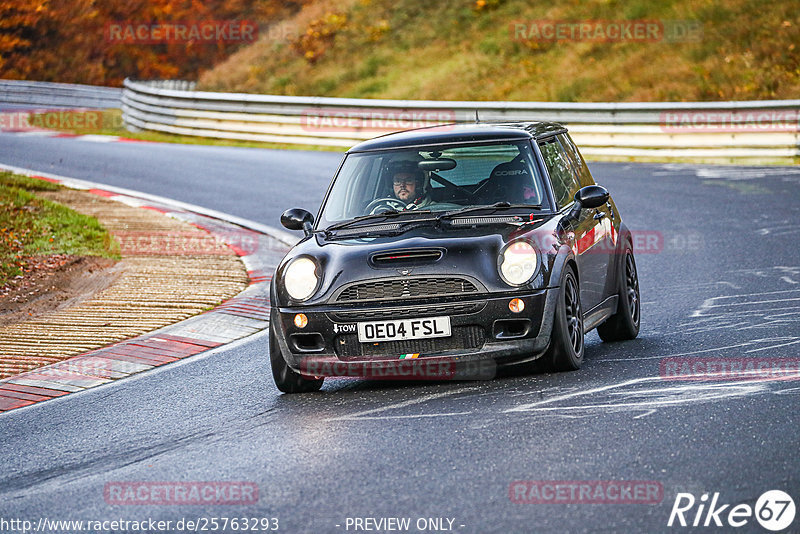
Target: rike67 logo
x=774 y=510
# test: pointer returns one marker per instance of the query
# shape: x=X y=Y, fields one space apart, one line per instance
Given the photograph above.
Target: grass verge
x=32 y=226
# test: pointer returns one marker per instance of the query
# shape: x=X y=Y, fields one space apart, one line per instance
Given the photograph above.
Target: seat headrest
x=511 y=182
x=510 y=169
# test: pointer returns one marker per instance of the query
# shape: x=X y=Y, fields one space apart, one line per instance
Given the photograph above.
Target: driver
x=408 y=183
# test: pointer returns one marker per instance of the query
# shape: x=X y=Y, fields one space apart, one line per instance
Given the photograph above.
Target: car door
x=592 y=263
x=607 y=231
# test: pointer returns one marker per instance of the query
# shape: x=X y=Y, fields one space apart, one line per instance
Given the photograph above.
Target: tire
x=565 y=352
x=286 y=379
x=625 y=323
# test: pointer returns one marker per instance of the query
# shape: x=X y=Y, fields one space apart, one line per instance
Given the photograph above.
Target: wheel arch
x=625 y=238
x=565 y=257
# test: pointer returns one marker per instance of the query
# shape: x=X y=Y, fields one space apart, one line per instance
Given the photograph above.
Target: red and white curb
x=94 y=138
x=260 y=248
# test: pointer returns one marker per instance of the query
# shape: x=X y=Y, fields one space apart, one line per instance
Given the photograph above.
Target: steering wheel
x=388 y=203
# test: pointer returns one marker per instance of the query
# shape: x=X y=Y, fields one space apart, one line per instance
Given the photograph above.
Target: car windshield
x=433 y=179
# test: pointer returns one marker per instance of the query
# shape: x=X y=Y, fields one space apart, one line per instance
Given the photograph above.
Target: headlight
x=518 y=263
x=300 y=278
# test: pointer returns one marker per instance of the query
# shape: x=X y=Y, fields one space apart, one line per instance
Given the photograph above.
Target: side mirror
x=298 y=219
x=591 y=196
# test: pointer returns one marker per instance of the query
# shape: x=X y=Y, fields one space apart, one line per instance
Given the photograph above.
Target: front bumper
x=484 y=333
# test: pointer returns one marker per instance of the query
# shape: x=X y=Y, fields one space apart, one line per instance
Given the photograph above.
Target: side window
x=565 y=184
x=578 y=163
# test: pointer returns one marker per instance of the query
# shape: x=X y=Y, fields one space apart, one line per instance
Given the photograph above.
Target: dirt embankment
x=56 y=282
x=170 y=270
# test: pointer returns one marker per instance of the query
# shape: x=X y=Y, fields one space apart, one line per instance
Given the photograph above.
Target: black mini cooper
x=442 y=252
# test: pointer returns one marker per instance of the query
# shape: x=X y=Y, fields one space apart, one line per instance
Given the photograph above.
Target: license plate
x=401 y=329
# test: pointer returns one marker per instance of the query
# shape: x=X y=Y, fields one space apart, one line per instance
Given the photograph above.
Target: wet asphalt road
x=723 y=283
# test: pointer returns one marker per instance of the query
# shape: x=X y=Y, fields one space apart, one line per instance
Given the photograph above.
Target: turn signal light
x=516 y=305
x=300 y=320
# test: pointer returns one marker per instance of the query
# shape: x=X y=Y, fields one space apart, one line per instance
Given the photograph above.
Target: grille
x=407 y=288
x=347 y=346
x=400 y=313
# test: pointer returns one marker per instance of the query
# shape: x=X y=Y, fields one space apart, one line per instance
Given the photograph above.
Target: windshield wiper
x=497 y=206
x=383 y=216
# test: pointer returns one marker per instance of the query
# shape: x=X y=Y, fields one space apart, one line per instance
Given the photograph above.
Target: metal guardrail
x=636 y=131
x=58 y=95
x=603 y=130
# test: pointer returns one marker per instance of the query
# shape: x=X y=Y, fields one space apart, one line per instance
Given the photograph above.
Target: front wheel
x=625 y=323
x=565 y=352
x=286 y=379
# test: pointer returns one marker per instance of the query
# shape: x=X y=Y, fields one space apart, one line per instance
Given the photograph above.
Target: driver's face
x=405 y=186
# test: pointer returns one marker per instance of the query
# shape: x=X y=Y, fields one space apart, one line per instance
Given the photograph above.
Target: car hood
x=470 y=252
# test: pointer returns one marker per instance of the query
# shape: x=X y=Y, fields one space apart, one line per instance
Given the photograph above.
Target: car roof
x=461 y=133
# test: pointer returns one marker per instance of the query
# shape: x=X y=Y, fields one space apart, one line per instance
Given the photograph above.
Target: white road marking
x=783 y=341
x=532 y=405
x=36 y=133
x=711 y=302
x=98 y=138
x=753 y=302
x=743 y=173
x=745 y=344
x=707 y=393
x=774 y=346
x=657 y=397
x=417 y=416
x=411 y=402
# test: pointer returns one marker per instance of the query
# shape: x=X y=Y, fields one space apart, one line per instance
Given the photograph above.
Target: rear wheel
x=625 y=323
x=287 y=380
x=566 y=343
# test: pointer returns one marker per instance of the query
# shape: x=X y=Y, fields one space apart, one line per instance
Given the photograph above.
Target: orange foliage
x=319 y=36
x=68 y=40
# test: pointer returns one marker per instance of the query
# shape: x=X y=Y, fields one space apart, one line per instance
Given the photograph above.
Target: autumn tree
x=68 y=40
